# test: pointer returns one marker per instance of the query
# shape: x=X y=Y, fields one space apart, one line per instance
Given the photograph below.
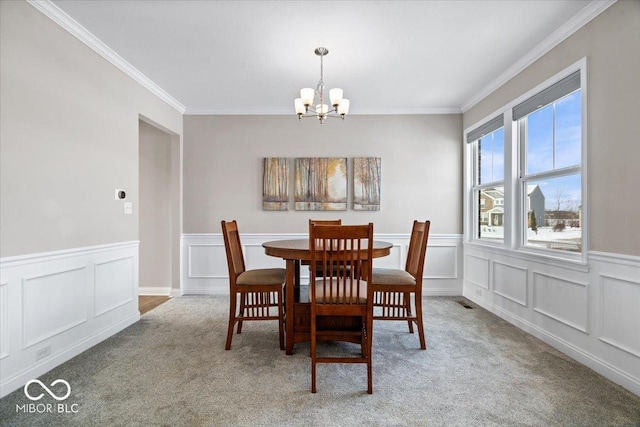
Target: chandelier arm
x=329 y=114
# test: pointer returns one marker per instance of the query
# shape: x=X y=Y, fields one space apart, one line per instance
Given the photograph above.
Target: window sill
x=574 y=263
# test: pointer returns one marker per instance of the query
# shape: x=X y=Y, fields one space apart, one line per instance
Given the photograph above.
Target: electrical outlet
x=43 y=352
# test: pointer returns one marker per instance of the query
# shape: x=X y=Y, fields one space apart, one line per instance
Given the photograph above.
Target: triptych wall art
x=320 y=183
x=275 y=184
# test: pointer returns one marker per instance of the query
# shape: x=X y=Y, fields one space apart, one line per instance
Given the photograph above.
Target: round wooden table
x=297 y=309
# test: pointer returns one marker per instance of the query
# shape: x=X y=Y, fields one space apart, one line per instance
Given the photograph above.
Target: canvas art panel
x=366 y=183
x=275 y=184
x=321 y=184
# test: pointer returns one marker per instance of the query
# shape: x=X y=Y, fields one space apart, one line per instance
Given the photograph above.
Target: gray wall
x=155 y=205
x=611 y=43
x=421 y=169
x=69 y=137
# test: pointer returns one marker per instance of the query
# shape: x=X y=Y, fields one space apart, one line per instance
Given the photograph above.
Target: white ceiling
x=390 y=57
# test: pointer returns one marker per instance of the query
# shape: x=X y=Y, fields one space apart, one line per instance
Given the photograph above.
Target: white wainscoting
x=589 y=312
x=204 y=263
x=58 y=304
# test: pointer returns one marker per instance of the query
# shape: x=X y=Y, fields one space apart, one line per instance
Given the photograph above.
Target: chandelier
x=312 y=102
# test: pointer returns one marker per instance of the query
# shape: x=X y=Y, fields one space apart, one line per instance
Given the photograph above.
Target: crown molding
x=78 y=31
x=406 y=111
x=590 y=11
x=52 y=11
x=357 y=112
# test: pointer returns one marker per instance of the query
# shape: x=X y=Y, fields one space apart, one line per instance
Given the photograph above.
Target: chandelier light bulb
x=336 y=96
x=299 y=105
x=307 y=95
x=343 y=107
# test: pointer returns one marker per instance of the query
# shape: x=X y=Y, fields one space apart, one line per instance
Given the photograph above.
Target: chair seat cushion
x=262 y=276
x=391 y=276
x=337 y=292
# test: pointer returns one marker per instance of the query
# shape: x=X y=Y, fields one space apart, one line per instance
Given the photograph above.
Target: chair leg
x=243 y=298
x=369 y=344
x=280 y=319
x=232 y=319
x=369 y=377
x=313 y=355
x=420 y=323
x=407 y=304
x=363 y=339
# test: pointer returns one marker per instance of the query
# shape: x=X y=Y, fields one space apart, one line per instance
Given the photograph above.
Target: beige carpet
x=171 y=369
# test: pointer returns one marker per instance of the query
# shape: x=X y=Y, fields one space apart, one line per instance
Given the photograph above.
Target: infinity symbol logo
x=52 y=394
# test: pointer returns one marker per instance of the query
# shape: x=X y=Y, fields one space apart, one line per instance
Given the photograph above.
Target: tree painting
x=366 y=183
x=321 y=184
x=275 y=184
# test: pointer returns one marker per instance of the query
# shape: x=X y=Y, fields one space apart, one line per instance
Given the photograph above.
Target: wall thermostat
x=120 y=194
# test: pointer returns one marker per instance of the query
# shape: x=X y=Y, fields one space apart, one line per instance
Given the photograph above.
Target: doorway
x=159 y=210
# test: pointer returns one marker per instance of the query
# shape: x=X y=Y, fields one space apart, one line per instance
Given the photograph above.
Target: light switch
x=128 y=208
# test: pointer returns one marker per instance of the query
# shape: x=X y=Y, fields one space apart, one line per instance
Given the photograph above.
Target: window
x=550 y=139
x=488 y=180
x=525 y=172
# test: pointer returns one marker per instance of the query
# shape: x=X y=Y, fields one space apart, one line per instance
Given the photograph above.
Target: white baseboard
x=590 y=313
x=600 y=366
x=21 y=378
x=96 y=290
x=154 y=291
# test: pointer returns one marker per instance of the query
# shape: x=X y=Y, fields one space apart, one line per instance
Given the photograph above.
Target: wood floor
x=146 y=303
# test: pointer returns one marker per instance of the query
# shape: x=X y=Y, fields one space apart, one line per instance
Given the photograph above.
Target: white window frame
x=475 y=205
x=514 y=206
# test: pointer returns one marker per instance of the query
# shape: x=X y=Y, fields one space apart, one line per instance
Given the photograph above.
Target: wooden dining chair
x=258 y=291
x=393 y=288
x=337 y=293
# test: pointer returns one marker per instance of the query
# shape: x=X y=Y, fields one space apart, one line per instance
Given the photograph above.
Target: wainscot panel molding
x=510 y=282
x=588 y=312
x=4 y=320
x=204 y=261
x=55 y=305
x=477 y=271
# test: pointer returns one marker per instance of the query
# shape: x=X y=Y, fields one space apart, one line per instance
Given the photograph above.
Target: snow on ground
x=568 y=239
